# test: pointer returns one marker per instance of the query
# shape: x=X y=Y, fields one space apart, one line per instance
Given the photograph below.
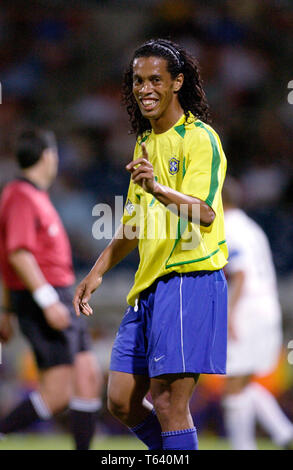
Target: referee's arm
x=26 y=267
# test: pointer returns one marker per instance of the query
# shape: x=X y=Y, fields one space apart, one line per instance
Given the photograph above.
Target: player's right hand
x=83 y=293
x=57 y=316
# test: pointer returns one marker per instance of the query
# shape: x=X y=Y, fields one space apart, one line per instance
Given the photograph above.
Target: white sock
x=240 y=421
x=85 y=404
x=270 y=415
x=39 y=405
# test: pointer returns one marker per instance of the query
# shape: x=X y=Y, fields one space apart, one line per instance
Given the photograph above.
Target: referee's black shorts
x=51 y=347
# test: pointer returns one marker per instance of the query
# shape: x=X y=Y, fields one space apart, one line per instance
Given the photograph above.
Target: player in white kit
x=255 y=330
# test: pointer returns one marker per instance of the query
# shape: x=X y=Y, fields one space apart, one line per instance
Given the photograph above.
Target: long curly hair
x=191 y=95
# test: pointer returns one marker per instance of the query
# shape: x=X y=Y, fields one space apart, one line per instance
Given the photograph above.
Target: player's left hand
x=142 y=171
x=84 y=291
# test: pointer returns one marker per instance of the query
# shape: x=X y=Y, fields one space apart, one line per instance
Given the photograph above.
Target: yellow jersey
x=189 y=159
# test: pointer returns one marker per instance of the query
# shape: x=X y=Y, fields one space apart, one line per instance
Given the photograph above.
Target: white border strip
x=181 y=323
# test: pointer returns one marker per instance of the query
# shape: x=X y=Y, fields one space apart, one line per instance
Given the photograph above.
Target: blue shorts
x=179 y=326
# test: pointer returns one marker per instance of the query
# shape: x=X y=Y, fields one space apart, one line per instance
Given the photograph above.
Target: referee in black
x=37 y=275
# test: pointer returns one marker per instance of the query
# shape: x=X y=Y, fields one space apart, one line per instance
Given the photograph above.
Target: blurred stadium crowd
x=61 y=64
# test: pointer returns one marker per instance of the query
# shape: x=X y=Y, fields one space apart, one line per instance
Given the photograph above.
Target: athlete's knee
x=167 y=405
x=56 y=387
x=162 y=406
x=64 y=397
x=125 y=396
x=63 y=393
x=88 y=376
x=118 y=405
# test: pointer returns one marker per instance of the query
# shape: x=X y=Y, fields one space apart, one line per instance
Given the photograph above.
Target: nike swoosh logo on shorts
x=156 y=359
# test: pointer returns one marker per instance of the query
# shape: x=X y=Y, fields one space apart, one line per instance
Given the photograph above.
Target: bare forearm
x=168 y=196
x=27 y=268
x=142 y=173
x=119 y=247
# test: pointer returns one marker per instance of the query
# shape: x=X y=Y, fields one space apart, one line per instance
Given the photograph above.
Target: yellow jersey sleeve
x=205 y=165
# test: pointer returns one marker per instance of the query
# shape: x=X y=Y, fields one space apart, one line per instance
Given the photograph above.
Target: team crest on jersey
x=173 y=166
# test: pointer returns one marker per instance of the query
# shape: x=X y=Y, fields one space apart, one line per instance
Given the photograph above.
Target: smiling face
x=155 y=90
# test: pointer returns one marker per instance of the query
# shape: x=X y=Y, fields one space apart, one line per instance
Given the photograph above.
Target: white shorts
x=258 y=342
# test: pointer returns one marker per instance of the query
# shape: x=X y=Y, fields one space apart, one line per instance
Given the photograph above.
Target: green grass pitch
x=64 y=442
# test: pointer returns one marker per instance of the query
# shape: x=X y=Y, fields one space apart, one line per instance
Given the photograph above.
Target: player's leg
x=54 y=359
x=127 y=402
x=52 y=396
x=171 y=394
x=187 y=336
x=129 y=379
x=55 y=387
x=267 y=410
x=270 y=415
x=126 y=393
x=86 y=400
x=239 y=413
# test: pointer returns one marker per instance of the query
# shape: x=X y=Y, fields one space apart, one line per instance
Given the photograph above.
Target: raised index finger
x=131 y=166
x=144 y=151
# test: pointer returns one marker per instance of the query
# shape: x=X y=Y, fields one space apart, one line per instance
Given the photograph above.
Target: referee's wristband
x=45 y=296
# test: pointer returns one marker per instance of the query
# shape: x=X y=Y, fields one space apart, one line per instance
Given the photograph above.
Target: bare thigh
x=126 y=397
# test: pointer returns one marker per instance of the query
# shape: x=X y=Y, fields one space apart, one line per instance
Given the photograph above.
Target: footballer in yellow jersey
x=187 y=158
x=175 y=327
